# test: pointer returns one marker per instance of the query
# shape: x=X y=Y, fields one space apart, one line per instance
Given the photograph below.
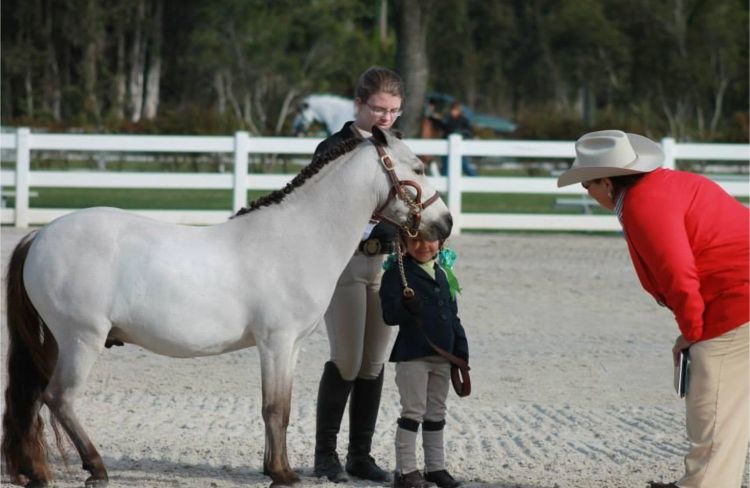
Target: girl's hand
x=412 y=305
x=679 y=345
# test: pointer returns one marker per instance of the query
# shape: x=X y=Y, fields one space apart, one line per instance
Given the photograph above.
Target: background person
x=357 y=336
x=423 y=376
x=457 y=123
x=431 y=128
x=689 y=242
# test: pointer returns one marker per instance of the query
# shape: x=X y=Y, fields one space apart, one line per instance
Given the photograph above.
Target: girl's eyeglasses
x=381 y=112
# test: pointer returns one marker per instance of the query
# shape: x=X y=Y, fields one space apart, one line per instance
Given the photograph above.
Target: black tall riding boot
x=332 y=395
x=363 y=413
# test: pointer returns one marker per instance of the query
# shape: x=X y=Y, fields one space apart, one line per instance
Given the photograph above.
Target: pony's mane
x=306 y=173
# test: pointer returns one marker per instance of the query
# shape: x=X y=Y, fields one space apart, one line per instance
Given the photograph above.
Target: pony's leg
x=278 y=355
x=74 y=363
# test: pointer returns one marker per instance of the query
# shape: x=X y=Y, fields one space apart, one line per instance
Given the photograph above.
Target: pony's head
x=407 y=198
x=305 y=116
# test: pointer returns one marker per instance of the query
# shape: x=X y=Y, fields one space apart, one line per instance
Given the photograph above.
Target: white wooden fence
x=241 y=145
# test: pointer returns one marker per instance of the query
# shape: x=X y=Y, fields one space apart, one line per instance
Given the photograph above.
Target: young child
x=422 y=376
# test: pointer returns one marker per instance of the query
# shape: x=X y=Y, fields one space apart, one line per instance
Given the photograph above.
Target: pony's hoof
x=285 y=484
x=285 y=478
x=92 y=482
x=37 y=484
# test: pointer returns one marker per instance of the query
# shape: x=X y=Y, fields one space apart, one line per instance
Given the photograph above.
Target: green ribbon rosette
x=390 y=262
x=446 y=259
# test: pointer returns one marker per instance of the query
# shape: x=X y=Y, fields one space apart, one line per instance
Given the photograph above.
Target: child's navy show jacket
x=438 y=313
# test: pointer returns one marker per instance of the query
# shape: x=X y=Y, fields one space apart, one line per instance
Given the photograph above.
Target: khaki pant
x=423 y=386
x=357 y=335
x=718 y=411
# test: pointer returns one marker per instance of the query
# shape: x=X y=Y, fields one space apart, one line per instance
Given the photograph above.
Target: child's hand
x=412 y=305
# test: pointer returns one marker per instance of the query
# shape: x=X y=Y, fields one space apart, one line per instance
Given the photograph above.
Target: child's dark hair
x=404 y=238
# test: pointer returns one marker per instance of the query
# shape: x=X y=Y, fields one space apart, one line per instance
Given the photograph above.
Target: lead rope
x=408 y=292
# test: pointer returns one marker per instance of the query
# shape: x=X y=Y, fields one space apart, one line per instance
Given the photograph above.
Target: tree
x=688 y=56
x=411 y=18
x=153 y=76
x=676 y=67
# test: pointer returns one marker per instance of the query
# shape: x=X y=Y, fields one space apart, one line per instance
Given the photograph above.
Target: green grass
x=518 y=203
x=222 y=200
x=150 y=199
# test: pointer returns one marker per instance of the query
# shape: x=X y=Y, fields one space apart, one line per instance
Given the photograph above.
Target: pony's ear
x=379 y=136
x=398 y=133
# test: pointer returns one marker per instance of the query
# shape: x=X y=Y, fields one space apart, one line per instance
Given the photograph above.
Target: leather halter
x=414 y=204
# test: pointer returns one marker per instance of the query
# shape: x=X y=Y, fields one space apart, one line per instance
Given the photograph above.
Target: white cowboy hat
x=609 y=153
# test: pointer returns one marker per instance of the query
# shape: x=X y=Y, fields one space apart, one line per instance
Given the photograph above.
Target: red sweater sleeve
x=656 y=229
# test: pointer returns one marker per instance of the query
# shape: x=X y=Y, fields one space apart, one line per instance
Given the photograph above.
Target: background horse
x=104 y=276
x=331 y=110
x=431 y=127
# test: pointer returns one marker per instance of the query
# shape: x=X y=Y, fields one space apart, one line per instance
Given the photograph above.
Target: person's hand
x=412 y=305
x=679 y=345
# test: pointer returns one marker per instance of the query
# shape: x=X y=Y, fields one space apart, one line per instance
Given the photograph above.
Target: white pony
x=332 y=110
x=104 y=276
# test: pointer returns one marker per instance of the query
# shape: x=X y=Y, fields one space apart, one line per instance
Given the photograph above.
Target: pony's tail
x=32 y=353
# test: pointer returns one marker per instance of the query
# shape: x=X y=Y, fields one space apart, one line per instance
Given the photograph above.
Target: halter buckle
x=386 y=161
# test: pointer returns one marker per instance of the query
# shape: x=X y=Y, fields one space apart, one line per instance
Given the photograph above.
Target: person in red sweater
x=690 y=245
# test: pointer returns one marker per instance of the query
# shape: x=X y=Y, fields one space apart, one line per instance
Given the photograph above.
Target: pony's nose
x=440 y=229
x=446 y=226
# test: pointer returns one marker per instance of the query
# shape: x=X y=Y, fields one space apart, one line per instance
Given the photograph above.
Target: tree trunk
x=383 y=23
x=284 y=110
x=29 y=88
x=411 y=59
x=137 y=64
x=259 y=93
x=53 y=89
x=151 y=104
x=90 y=101
x=721 y=80
x=119 y=83
x=221 y=93
x=249 y=119
x=588 y=106
x=718 y=103
x=559 y=88
x=90 y=61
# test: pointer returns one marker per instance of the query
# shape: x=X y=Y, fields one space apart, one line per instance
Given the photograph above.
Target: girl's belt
x=374 y=246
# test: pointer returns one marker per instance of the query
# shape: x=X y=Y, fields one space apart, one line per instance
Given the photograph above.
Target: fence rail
x=241 y=145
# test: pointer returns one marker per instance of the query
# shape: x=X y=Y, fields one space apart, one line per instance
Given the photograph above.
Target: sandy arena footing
x=571 y=374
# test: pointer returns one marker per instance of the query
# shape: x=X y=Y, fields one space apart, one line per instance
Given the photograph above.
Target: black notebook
x=682 y=373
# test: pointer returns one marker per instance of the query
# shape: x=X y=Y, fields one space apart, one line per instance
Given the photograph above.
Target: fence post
x=241 y=146
x=667 y=145
x=23 y=159
x=455 y=152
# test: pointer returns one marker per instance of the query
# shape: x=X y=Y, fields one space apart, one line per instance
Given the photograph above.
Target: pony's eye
x=419 y=170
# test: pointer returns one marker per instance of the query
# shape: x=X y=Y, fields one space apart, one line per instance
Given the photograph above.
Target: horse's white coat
x=332 y=110
x=264 y=278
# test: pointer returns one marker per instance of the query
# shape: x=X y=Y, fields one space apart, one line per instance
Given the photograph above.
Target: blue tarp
x=443 y=101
